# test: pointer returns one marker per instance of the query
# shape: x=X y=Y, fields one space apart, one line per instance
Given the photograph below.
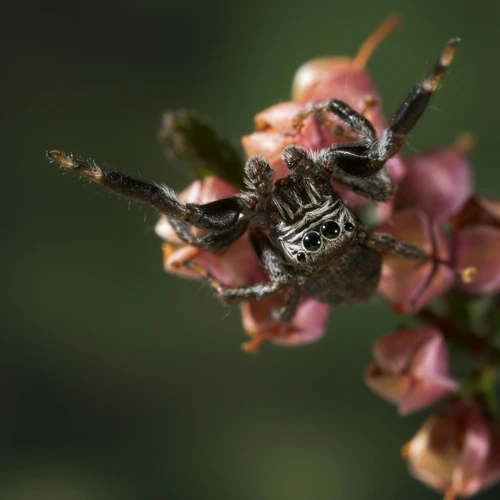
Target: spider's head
x=312 y=226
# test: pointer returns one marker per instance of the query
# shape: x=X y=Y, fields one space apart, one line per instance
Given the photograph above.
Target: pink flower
x=478 y=248
x=438 y=182
x=477 y=245
x=307 y=326
x=411 y=369
x=410 y=285
x=456 y=451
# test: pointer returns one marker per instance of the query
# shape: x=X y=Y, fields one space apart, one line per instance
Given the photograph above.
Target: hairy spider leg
x=386 y=243
x=412 y=108
x=221 y=218
x=368 y=155
x=228 y=293
x=272 y=262
x=320 y=110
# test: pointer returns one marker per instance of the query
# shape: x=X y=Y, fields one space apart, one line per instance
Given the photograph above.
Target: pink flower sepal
x=457 y=451
x=410 y=285
x=477 y=245
x=307 y=326
x=411 y=369
x=438 y=182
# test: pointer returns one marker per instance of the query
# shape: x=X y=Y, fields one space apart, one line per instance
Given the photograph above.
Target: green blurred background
x=121 y=382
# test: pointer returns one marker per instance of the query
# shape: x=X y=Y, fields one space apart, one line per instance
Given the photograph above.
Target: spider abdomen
x=353 y=277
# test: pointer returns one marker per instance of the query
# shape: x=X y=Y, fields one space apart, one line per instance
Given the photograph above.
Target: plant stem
x=477 y=345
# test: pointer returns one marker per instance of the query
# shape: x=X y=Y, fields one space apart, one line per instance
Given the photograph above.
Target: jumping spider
x=309 y=242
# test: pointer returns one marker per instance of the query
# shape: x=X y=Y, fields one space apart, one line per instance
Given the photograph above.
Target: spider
x=308 y=241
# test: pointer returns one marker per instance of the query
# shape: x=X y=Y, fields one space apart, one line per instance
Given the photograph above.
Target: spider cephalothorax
x=309 y=222
x=307 y=240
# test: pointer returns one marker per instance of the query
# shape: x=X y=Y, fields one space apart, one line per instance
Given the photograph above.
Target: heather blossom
x=457 y=450
x=411 y=369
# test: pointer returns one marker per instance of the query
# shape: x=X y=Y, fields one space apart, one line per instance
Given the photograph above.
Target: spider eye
x=301 y=257
x=330 y=229
x=312 y=241
x=349 y=226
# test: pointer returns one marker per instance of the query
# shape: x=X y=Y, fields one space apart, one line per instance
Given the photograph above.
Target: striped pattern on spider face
x=314 y=225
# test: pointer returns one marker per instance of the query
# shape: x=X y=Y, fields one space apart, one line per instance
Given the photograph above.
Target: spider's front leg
x=366 y=156
x=222 y=219
x=279 y=279
x=319 y=112
x=386 y=243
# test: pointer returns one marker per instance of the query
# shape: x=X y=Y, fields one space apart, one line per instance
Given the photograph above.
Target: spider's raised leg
x=378 y=187
x=218 y=217
x=412 y=108
x=367 y=156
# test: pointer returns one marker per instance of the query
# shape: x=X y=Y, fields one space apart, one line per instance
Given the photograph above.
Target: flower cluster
x=458 y=449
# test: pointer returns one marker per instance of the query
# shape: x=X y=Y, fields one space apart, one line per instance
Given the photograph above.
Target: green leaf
x=191 y=140
x=483 y=385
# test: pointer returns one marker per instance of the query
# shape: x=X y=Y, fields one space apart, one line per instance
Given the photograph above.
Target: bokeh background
x=118 y=381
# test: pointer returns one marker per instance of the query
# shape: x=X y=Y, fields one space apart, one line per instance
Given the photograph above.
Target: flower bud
x=308 y=325
x=410 y=285
x=342 y=78
x=478 y=248
x=438 y=182
x=411 y=369
x=457 y=451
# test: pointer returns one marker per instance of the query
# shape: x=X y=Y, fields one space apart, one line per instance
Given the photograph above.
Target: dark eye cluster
x=330 y=230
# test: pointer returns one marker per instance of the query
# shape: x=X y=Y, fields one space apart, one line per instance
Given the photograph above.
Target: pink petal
x=270 y=145
x=278 y=118
x=491 y=473
x=336 y=77
x=479 y=211
x=389 y=387
x=431 y=360
x=451 y=450
x=438 y=181
x=479 y=247
x=237 y=265
x=393 y=353
x=397 y=169
x=426 y=392
x=411 y=369
x=308 y=325
x=410 y=285
x=439 y=283
x=469 y=474
x=314 y=137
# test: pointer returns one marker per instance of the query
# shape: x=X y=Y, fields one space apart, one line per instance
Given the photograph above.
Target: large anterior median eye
x=330 y=229
x=311 y=241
